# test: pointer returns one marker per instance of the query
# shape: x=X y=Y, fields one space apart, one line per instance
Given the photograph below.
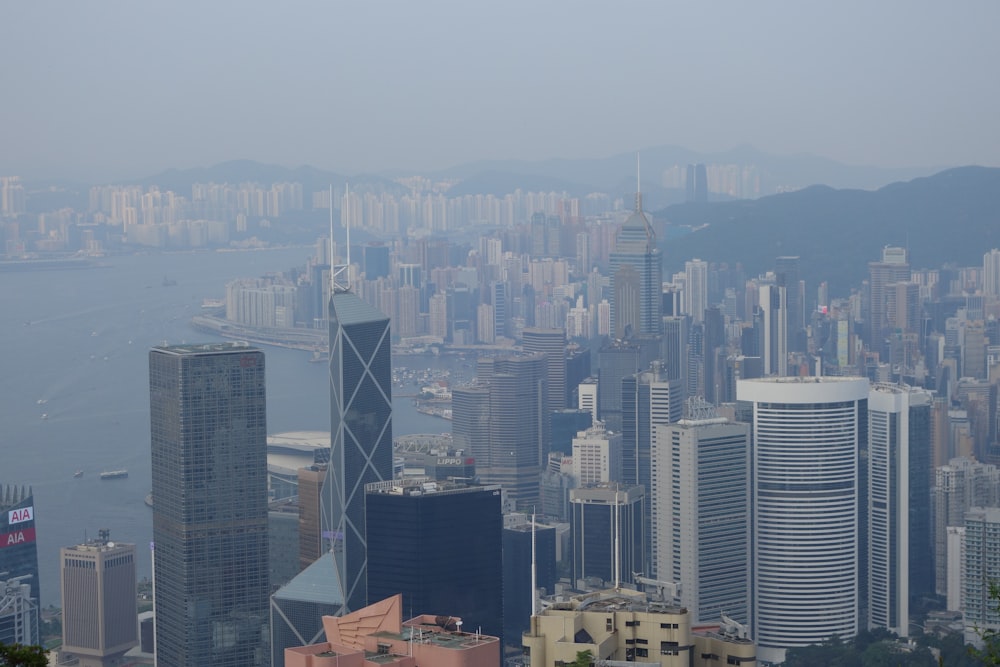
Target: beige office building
x=99 y=603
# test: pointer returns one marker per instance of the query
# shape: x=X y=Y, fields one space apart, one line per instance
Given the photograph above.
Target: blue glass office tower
x=18 y=548
x=360 y=434
x=209 y=462
x=440 y=544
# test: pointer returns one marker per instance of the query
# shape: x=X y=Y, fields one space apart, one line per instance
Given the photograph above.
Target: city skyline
x=872 y=77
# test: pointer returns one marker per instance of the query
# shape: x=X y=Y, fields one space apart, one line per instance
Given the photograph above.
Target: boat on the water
x=78 y=473
x=114 y=474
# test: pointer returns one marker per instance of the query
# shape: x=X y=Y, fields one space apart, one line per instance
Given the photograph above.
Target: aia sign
x=20 y=515
x=16 y=537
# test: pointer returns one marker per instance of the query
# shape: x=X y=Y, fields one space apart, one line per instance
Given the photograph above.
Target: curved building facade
x=806 y=442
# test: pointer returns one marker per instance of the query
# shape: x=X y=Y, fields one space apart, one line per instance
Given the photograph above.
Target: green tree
x=583 y=659
x=16 y=655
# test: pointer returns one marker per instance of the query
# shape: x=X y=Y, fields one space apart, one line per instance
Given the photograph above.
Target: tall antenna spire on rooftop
x=638 y=185
x=340 y=275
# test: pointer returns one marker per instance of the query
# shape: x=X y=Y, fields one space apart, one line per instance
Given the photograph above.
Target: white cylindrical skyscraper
x=805 y=434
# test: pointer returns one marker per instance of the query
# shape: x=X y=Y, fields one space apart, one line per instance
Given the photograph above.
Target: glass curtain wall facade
x=208 y=444
x=360 y=434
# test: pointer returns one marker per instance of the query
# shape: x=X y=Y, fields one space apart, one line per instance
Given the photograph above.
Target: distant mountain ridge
x=952 y=216
x=613 y=174
x=606 y=174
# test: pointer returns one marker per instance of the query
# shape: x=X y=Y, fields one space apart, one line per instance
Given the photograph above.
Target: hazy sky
x=120 y=88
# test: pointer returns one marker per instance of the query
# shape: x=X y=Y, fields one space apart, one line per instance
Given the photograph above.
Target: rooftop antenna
x=331 y=234
x=638 y=184
x=340 y=276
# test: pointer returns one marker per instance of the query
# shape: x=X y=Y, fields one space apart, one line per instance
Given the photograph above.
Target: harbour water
x=74 y=386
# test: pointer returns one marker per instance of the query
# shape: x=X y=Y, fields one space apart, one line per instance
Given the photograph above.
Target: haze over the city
x=120 y=89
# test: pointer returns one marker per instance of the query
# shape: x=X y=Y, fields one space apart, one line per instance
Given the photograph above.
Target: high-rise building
x=596 y=456
x=587 y=397
x=19 y=617
x=982 y=571
x=701 y=514
x=310 y=485
x=635 y=247
x=551 y=343
x=991 y=273
x=209 y=451
x=806 y=438
x=695 y=289
x=99 y=611
x=894 y=268
x=786 y=274
x=617 y=361
x=674 y=346
x=649 y=398
x=501 y=421
x=959 y=486
x=526 y=545
x=18 y=549
x=607 y=532
x=376 y=261
x=440 y=544
x=360 y=433
x=565 y=425
x=898 y=541
x=774 y=320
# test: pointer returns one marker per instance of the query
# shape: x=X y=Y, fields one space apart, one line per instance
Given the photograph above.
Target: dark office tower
x=715 y=341
x=434 y=253
x=440 y=544
x=700 y=183
x=376 y=261
x=577 y=370
x=526 y=307
x=566 y=424
x=674 y=349
x=209 y=452
x=99 y=609
x=517 y=550
x=18 y=549
x=603 y=516
x=360 y=433
x=786 y=274
x=502 y=422
x=649 y=399
x=551 y=343
x=635 y=247
x=616 y=361
x=894 y=268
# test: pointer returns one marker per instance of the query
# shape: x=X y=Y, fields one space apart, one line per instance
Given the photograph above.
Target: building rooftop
x=234 y=347
x=419 y=486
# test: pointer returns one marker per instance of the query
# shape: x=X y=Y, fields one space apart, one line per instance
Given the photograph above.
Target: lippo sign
x=16 y=537
x=20 y=515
